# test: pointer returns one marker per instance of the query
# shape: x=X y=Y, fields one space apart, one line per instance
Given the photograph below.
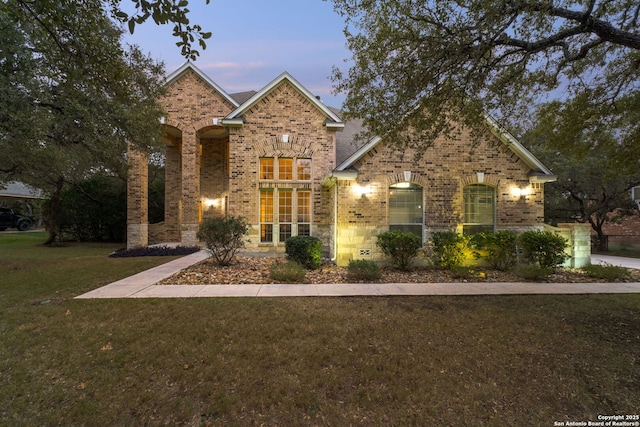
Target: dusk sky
x=254 y=41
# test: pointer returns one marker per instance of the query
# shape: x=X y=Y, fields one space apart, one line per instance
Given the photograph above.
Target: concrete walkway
x=142 y=285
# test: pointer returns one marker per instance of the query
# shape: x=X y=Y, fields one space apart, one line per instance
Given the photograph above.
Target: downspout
x=335 y=219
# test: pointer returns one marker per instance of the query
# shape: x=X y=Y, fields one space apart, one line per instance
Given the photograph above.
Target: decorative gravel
x=255 y=270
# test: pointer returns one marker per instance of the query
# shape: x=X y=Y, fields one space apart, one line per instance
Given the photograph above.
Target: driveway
x=616 y=260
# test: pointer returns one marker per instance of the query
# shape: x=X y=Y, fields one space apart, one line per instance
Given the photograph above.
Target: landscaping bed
x=255 y=270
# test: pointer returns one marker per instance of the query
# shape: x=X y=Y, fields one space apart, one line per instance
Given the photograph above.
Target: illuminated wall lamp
x=211 y=203
x=362 y=191
x=522 y=193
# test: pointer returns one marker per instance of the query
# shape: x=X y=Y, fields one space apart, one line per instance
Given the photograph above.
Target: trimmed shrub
x=305 y=250
x=287 y=272
x=401 y=247
x=500 y=248
x=362 y=270
x=223 y=237
x=606 y=272
x=449 y=248
x=543 y=248
x=532 y=272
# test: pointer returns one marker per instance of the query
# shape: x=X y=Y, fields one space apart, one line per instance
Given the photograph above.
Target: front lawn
x=516 y=360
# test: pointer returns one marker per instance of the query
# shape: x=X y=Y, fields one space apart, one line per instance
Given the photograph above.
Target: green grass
x=287 y=272
x=610 y=273
x=495 y=361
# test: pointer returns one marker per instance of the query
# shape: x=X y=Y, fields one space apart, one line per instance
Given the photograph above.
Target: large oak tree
x=422 y=61
x=71 y=97
x=595 y=156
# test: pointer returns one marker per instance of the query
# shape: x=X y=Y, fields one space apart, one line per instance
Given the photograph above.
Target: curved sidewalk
x=143 y=285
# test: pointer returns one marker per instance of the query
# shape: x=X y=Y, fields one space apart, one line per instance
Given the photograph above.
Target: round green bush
x=305 y=250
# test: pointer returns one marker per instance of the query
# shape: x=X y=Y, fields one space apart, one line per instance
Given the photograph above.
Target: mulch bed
x=255 y=270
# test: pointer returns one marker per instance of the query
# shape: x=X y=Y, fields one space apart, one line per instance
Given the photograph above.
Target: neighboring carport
x=13 y=192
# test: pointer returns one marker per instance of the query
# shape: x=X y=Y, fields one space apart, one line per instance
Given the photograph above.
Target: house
x=285 y=161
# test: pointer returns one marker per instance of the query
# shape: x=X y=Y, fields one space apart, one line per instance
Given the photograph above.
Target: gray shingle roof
x=242 y=97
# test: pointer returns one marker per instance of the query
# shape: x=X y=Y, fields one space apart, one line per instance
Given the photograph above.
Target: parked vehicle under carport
x=10 y=219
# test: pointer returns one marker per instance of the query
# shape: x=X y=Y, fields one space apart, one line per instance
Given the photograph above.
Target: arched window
x=479 y=208
x=406 y=208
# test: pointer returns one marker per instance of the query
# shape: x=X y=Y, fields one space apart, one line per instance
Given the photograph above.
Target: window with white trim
x=406 y=208
x=479 y=203
x=266 y=215
x=284 y=198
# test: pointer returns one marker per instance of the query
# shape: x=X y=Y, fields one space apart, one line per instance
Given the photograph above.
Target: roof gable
x=333 y=118
x=537 y=167
x=180 y=71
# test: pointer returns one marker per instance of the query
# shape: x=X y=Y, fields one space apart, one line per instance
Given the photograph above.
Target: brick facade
x=443 y=171
x=214 y=145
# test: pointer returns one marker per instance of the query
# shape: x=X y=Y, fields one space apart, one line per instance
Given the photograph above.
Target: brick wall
x=191 y=105
x=220 y=165
x=284 y=111
x=443 y=171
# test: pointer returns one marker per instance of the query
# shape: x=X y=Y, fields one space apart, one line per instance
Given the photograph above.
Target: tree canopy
x=595 y=157
x=425 y=60
x=165 y=12
x=51 y=13
x=71 y=97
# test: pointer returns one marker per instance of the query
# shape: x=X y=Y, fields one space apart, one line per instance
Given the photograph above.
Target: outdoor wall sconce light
x=211 y=202
x=362 y=191
x=522 y=193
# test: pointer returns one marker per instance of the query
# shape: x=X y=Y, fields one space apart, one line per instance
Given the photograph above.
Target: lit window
x=266 y=168
x=304 y=213
x=479 y=208
x=285 y=213
x=406 y=208
x=266 y=215
x=285 y=169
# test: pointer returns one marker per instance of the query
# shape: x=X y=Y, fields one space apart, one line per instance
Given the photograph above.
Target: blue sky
x=254 y=41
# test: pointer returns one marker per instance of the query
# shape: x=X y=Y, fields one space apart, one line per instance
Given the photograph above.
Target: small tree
x=400 y=246
x=223 y=237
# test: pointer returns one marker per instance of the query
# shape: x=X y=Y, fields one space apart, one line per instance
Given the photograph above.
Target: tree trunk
x=51 y=213
x=603 y=244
